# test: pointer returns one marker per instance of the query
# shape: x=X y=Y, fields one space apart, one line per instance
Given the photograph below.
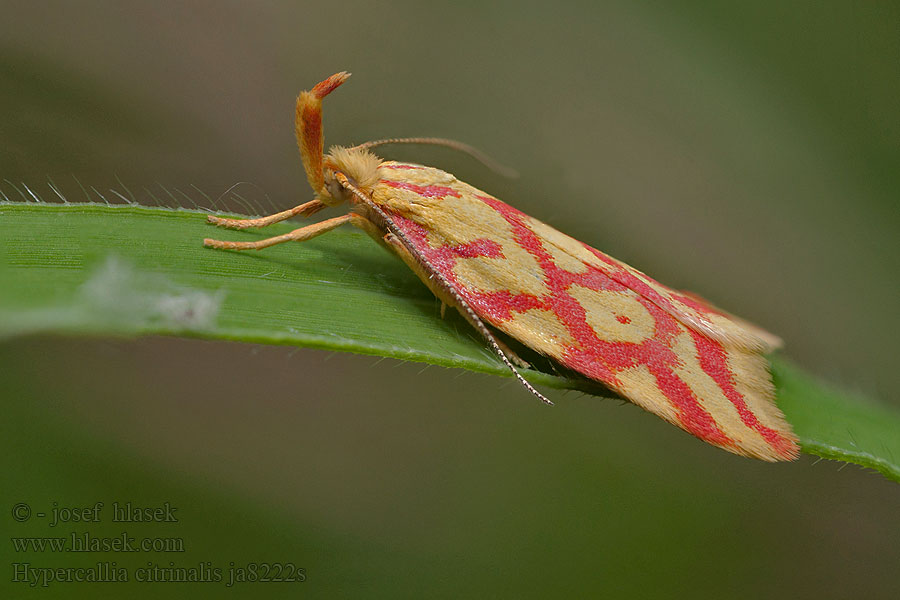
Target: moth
x=670 y=352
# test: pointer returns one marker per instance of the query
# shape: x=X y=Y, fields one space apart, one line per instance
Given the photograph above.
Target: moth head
x=358 y=164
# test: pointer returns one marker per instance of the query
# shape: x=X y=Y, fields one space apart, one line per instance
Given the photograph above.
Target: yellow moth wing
x=671 y=353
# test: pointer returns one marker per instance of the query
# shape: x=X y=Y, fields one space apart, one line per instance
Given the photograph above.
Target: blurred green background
x=747 y=152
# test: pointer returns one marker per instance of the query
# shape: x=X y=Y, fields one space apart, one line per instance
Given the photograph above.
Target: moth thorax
x=358 y=164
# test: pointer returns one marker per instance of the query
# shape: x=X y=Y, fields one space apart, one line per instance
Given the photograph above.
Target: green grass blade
x=129 y=270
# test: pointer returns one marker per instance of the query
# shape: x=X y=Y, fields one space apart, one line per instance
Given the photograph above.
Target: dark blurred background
x=747 y=152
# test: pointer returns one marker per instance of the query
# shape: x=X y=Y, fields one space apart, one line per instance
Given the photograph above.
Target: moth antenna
x=467 y=310
x=308 y=127
x=472 y=151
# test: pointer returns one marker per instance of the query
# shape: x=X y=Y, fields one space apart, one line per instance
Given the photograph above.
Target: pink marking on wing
x=387 y=166
x=712 y=361
x=428 y=191
x=479 y=247
x=693 y=416
x=498 y=307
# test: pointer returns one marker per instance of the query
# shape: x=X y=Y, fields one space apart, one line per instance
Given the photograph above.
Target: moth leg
x=302 y=210
x=297 y=235
x=446 y=300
